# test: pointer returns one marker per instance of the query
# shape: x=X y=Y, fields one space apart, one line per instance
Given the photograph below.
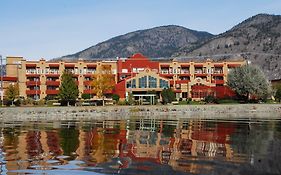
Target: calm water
x=141 y=146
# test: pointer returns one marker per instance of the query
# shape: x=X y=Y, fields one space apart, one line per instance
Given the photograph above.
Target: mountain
x=155 y=42
x=257 y=39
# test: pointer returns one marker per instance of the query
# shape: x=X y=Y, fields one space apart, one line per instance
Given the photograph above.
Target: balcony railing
x=33 y=92
x=52 y=83
x=52 y=92
x=217 y=72
x=218 y=81
x=87 y=83
x=184 y=72
x=182 y=81
x=33 y=83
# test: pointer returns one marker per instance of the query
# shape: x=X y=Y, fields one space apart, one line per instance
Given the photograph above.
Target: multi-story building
x=136 y=75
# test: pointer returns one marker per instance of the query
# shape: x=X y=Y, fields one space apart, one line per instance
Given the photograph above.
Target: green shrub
x=86 y=96
x=210 y=99
x=115 y=97
x=227 y=101
x=122 y=102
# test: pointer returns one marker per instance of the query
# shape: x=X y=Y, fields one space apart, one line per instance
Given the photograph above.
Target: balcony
x=52 y=83
x=218 y=81
x=32 y=75
x=52 y=92
x=217 y=72
x=87 y=83
x=184 y=73
x=33 y=92
x=33 y=83
x=166 y=73
x=55 y=74
x=182 y=81
x=200 y=73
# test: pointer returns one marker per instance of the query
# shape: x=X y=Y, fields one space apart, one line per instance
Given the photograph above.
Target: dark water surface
x=142 y=146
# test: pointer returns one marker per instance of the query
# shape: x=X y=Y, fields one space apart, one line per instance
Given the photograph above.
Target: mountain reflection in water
x=142 y=146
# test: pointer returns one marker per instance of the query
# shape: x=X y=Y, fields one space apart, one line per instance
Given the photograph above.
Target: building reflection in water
x=178 y=144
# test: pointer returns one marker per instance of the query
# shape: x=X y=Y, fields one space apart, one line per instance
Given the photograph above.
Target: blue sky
x=52 y=28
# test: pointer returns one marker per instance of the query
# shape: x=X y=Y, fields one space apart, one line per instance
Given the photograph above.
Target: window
x=143 y=82
x=152 y=82
x=184 y=95
x=131 y=84
x=124 y=70
x=163 y=84
x=134 y=83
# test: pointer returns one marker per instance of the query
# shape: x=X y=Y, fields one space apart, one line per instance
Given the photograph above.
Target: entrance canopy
x=142 y=100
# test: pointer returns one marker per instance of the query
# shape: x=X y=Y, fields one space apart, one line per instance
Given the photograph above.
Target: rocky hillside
x=257 y=39
x=156 y=42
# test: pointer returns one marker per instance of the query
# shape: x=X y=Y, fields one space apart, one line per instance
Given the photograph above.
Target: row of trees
x=103 y=82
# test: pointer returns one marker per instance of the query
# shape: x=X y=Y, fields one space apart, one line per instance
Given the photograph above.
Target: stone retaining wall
x=125 y=112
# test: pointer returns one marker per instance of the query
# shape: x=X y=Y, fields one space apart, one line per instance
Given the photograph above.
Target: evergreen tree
x=68 y=91
x=168 y=95
x=249 y=81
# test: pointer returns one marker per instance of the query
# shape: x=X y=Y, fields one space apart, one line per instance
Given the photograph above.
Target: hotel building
x=136 y=74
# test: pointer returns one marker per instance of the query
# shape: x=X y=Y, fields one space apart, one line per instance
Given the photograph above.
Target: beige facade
x=41 y=79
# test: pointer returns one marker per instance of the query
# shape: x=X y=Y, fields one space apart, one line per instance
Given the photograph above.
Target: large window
x=143 y=82
x=131 y=84
x=152 y=82
x=163 y=84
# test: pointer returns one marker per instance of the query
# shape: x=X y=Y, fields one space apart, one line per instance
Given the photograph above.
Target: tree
x=12 y=92
x=278 y=93
x=103 y=82
x=68 y=90
x=168 y=95
x=249 y=81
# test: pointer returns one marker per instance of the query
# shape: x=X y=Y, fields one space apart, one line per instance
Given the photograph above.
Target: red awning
x=54 y=65
x=30 y=65
x=198 y=65
x=218 y=65
x=164 y=65
x=14 y=79
x=69 y=65
x=91 y=65
x=233 y=65
x=185 y=65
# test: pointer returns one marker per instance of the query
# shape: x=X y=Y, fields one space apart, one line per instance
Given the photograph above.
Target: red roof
x=138 y=55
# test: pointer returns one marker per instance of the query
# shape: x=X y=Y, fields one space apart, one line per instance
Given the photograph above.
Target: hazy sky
x=52 y=28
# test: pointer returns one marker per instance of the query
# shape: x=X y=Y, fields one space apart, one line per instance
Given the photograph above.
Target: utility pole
x=2 y=89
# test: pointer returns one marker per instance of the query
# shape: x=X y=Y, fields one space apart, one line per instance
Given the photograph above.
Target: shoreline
x=227 y=111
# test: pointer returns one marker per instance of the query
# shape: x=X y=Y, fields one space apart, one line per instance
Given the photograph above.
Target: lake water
x=142 y=146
